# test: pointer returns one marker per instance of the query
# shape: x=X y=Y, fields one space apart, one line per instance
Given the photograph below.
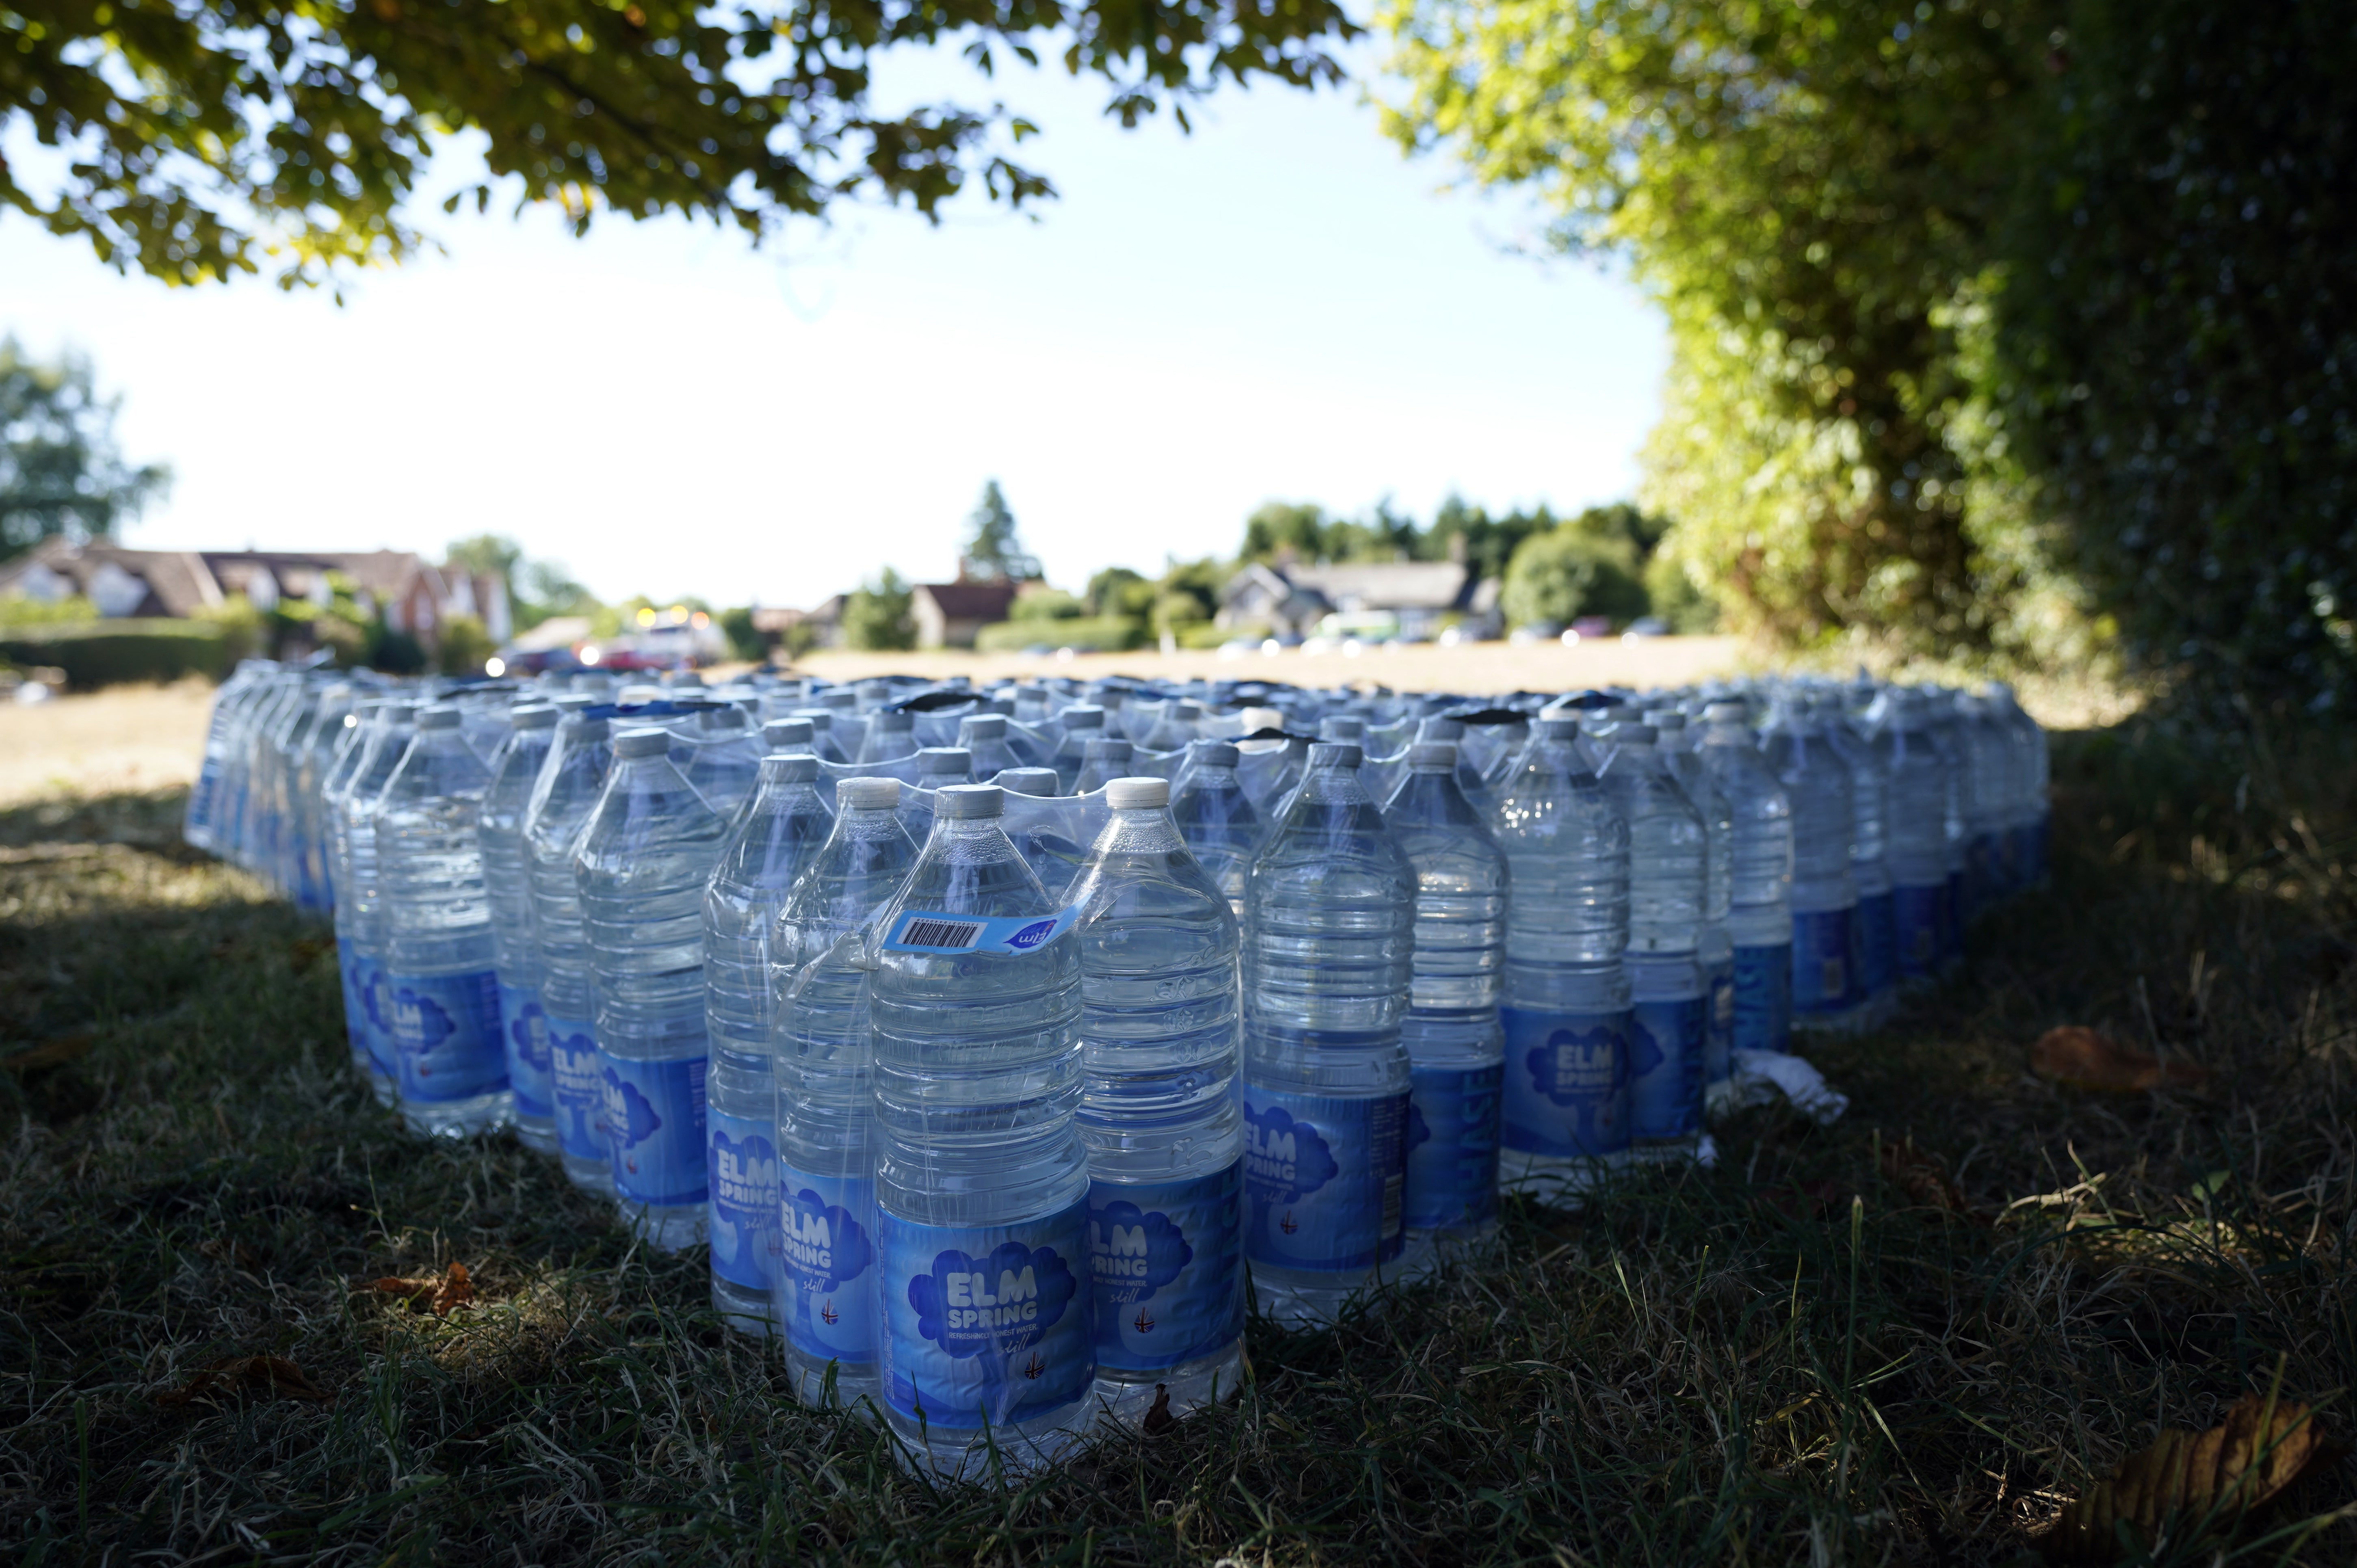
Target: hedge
x=1101 y=634
x=102 y=653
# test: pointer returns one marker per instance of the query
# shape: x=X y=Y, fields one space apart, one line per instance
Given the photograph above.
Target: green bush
x=1570 y=571
x=1090 y=634
x=108 y=652
x=464 y=646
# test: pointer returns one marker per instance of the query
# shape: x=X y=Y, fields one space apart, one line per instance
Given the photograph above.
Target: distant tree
x=1584 y=567
x=876 y=618
x=1043 y=603
x=1280 y=526
x=1488 y=543
x=487 y=553
x=462 y=645
x=1118 y=591
x=744 y=638
x=60 y=472
x=993 y=553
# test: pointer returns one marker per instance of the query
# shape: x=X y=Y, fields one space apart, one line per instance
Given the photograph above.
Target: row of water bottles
x=987 y=1096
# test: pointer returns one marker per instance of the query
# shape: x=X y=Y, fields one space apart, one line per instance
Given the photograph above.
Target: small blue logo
x=1032 y=935
x=1419 y=1131
x=1578 y=1065
x=1284 y=1160
x=1005 y=1302
x=629 y=1116
x=1133 y=1254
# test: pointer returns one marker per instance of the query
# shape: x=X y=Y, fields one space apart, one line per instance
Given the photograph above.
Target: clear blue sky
x=1278 y=306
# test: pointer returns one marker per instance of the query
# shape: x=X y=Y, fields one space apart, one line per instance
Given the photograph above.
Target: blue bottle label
x=1566 y=1082
x=1719 y=1034
x=1665 y=1068
x=654 y=1128
x=929 y=930
x=446 y=1032
x=354 y=974
x=523 y=1028
x=580 y=1087
x=1763 y=998
x=828 y=1278
x=1324 y=1178
x=741 y=1174
x=1452 y=1146
x=986 y=1324
x=1167 y=1263
x=376 y=1004
x=1915 y=921
x=1822 y=970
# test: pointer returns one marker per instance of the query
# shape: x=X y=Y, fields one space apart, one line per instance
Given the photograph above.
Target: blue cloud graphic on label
x=1284 y=1160
x=1032 y=935
x=825 y=1247
x=1419 y=1131
x=1002 y=1303
x=1132 y=1254
x=629 y=1116
x=744 y=1171
x=1644 y=1051
x=529 y=1032
x=377 y=997
x=418 y=1022
x=1578 y=1065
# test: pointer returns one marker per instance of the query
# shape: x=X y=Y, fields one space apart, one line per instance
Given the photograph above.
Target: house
x=1411 y=599
x=949 y=615
x=411 y=594
x=819 y=627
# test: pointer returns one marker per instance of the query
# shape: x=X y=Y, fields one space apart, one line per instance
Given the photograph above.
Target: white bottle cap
x=870 y=794
x=1137 y=794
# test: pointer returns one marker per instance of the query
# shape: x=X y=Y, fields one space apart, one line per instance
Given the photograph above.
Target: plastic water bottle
x=440 y=985
x=983 y=738
x=1101 y=761
x=1760 y=916
x=359 y=903
x=1216 y=818
x=826 y=1189
x=1175 y=730
x=891 y=734
x=1876 y=932
x=1329 y=920
x=1083 y=723
x=2032 y=783
x=1985 y=754
x=1565 y=1108
x=766 y=848
x=645 y=857
x=1715 y=950
x=1915 y=847
x=719 y=758
x=1161 y=1053
x=572 y=777
x=1456 y=1045
x=515 y=938
x=1827 y=946
x=1668 y=997
x=982 y=1179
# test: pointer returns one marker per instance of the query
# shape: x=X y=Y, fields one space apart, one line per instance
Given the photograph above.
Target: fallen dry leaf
x=440 y=1292
x=54 y=1052
x=242 y=1375
x=2262 y=1447
x=1159 y=1420
x=1923 y=1176
x=2085 y=1059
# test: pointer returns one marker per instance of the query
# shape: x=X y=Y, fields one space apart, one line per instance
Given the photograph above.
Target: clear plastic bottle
x=335 y=791
x=2027 y=784
x=1216 y=818
x=824 y=1118
x=1329 y=921
x=982 y=1177
x=765 y=850
x=1566 y=1110
x=1669 y=1002
x=891 y=734
x=1825 y=956
x=1716 y=949
x=441 y=985
x=1083 y=723
x=1101 y=761
x=1916 y=785
x=359 y=908
x=572 y=777
x=1877 y=934
x=201 y=822
x=983 y=738
x=515 y=937
x=1161 y=1055
x=717 y=754
x=1175 y=730
x=645 y=857
x=1988 y=872
x=1456 y=1045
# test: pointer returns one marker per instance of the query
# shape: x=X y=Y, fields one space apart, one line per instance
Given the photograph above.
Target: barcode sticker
x=939 y=932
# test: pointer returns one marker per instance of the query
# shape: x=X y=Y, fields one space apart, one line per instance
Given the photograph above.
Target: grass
x=1787 y=1359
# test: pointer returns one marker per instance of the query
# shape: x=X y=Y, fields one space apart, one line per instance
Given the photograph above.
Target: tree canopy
x=992 y=552
x=61 y=471
x=210 y=139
